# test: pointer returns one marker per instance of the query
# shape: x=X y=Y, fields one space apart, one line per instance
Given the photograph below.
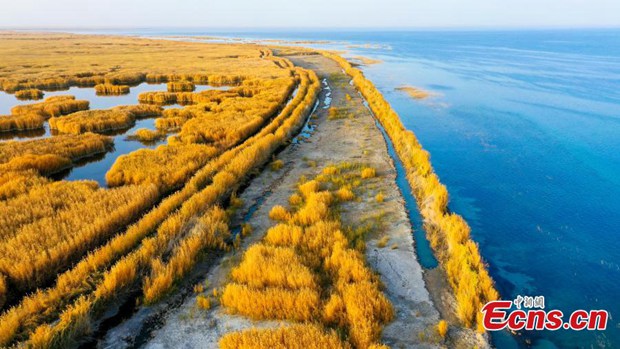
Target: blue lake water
x=526 y=135
x=525 y=132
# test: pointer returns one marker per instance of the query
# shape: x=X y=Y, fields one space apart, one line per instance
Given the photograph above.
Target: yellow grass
x=50 y=155
x=101 y=120
x=111 y=90
x=277 y=278
x=13 y=183
x=3 y=290
x=447 y=232
x=368 y=172
x=271 y=302
x=147 y=136
x=267 y=266
x=210 y=231
x=63 y=312
x=205 y=132
x=181 y=86
x=32 y=93
x=52 y=106
x=442 y=328
x=276 y=165
x=23 y=122
x=75 y=216
x=345 y=194
x=285 y=337
x=169 y=166
x=380 y=197
x=58 y=61
x=92 y=121
x=203 y=302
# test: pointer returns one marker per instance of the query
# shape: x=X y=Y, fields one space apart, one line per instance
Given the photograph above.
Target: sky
x=309 y=13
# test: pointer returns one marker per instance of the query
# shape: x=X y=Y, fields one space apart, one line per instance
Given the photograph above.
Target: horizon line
x=303 y=28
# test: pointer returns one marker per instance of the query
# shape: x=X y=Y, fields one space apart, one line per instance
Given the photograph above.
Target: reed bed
x=76 y=217
x=13 y=183
x=185 y=98
x=181 y=86
x=29 y=94
x=52 y=106
x=92 y=121
x=277 y=278
x=65 y=311
x=209 y=231
x=145 y=135
x=205 y=132
x=50 y=155
x=59 y=61
x=167 y=166
x=141 y=111
x=448 y=232
x=290 y=337
x=105 y=120
x=9 y=123
x=111 y=90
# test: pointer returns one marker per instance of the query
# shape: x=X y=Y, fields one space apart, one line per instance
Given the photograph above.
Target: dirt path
x=353 y=138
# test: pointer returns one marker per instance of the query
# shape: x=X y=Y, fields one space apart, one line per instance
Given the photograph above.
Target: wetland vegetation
x=75 y=251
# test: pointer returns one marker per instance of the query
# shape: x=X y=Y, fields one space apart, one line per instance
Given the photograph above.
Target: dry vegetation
x=448 y=232
x=285 y=337
x=221 y=120
x=147 y=136
x=32 y=93
x=181 y=86
x=33 y=116
x=108 y=89
x=10 y=123
x=113 y=250
x=102 y=120
x=52 y=106
x=59 y=61
x=75 y=216
x=50 y=155
x=308 y=269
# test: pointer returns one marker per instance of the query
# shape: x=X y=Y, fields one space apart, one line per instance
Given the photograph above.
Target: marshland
x=215 y=206
x=224 y=194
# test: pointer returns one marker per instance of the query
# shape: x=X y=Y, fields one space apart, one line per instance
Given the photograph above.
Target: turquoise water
x=525 y=132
